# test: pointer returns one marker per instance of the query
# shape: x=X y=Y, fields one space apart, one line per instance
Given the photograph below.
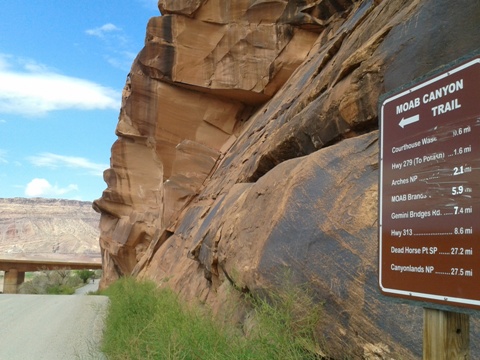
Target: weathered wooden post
x=445 y=335
x=429 y=201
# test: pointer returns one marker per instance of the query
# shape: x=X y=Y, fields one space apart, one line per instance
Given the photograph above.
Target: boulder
x=248 y=147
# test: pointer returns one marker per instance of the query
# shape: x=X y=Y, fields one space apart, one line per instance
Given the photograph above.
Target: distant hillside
x=48 y=226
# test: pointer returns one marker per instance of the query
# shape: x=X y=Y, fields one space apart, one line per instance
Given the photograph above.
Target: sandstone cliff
x=44 y=226
x=248 y=145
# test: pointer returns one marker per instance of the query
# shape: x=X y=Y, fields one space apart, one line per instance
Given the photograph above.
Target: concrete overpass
x=15 y=266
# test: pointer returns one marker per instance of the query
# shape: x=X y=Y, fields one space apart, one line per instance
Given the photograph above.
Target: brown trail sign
x=429 y=202
x=430 y=189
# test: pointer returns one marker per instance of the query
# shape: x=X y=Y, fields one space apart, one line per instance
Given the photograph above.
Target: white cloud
x=42 y=188
x=102 y=30
x=2 y=121
x=117 y=45
x=121 y=60
x=35 y=90
x=3 y=156
x=149 y=4
x=5 y=61
x=55 y=161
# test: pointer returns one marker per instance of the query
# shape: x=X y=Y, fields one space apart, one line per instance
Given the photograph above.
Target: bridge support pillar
x=13 y=278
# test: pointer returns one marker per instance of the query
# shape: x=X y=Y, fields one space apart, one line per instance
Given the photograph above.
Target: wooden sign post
x=429 y=201
x=446 y=335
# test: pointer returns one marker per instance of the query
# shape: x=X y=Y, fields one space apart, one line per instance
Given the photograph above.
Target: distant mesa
x=48 y=226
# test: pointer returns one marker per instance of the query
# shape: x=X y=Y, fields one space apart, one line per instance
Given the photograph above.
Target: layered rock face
x=248 y=147
x=48 y=226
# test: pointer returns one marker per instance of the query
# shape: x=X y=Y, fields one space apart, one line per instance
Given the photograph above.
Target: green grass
x=145 y=322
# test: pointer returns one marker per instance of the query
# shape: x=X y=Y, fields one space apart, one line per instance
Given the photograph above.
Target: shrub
x=51 y=282
x=85 y=275
x=60 y=290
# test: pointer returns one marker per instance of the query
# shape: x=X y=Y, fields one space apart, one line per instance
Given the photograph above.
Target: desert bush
x=51 y=282
x=85 y=275
x=60 y=290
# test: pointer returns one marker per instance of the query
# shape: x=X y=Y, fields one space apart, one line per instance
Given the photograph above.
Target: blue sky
x=63 y=65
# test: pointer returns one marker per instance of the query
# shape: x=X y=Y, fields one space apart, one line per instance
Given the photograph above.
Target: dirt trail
x=51 y=326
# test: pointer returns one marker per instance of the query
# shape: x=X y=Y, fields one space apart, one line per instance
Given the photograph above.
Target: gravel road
x=87 y=288
x=51 y=327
